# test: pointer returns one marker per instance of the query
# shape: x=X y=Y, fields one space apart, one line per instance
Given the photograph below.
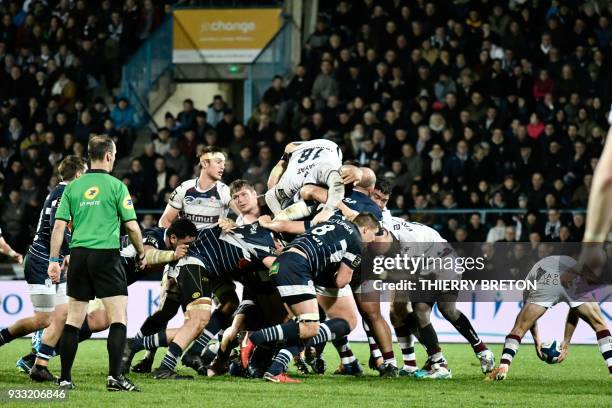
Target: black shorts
x=35 y=270
x=95 y=273
x=193 y=284
x=291 y=276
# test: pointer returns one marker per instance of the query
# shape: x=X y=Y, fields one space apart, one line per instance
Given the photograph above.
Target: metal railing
x=143 y=71
x=274 y=59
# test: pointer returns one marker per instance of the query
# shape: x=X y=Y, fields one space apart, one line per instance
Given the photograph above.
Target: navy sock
x=330 y=330
x=289 y=331
x=281 y=360
x=172 y=356
x=215 y=325
x=45 y=352
x=115 y=345
x=5 y=336
x=68 y=349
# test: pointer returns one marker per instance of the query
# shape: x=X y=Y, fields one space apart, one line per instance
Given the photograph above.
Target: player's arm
x=335 y=194
x=268 y=261
x=536 y=339
x=344 y=275
x=156 y=256
x=170 y=214
x=57 y=237
x=319 y=194
x=173 y=208
x=599 y=216
x=6 y=249
x=276 y=172
x=290 y=227
x=133 y=231
x=570 y=327
x=350 y=174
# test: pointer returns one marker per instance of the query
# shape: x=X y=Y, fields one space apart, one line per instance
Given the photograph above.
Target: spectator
x=216 y=110
x=123 y=116
x=177 y=161
x=12 y=218
x=187 y=117
x=162 y=143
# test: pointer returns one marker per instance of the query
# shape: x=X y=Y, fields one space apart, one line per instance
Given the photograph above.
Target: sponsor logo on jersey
x=91 y=192
x=127 y=203
x=202 y=218
x=196 y=295
x=273 y=269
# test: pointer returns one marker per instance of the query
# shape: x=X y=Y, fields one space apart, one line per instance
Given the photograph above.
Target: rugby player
x=203 y=200
x=359 y=201
x=49 y=299
x=401 y=318
x=549 y=292
x=314 y=162
x=325 y=255
x=214 y=258
x=161 y=247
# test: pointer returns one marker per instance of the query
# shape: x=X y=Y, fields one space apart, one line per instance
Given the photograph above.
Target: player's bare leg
x=197 y=315
x=406 y=330
x=436 y=366
x=591 y=313
x=371 y=314
x=526 y=319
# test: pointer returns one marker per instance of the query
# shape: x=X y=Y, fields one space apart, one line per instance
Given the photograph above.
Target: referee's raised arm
x=97 y=204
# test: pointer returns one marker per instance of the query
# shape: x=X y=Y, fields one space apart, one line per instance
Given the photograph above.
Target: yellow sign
x=222 y=35
x=91 y=193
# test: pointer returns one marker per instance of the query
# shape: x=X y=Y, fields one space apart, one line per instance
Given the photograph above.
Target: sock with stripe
x=374 y=350
x=604 y=341
x=344 y=350
x=281 y=360
x=172 y=356
x=45 y=352
x=406 y=343
x=214 y=326
x=465 y=328
x=330 y=330
x=115 y=345
x=5 y=336
x=429 y=339
x=511 y=346
x=150 y=342
x=289 y=331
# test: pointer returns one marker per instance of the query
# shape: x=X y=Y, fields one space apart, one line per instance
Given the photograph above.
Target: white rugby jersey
x=310 y=163
x=203 y=208
x=415 y=239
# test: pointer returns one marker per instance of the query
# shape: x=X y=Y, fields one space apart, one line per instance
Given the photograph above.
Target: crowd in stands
x=458 y=104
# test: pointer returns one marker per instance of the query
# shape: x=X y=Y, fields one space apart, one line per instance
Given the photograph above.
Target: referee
x=97 y=203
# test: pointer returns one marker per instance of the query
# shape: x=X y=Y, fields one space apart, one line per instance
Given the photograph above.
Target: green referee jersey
x=97 y=203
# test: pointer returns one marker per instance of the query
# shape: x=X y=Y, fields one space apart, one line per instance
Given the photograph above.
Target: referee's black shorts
x=95 y=273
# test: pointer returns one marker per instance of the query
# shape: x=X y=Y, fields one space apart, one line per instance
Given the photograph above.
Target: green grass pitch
x=581 y=381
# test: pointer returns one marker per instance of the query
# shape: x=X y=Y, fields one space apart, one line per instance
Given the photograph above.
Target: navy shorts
x=292 y=277
x=35 y=270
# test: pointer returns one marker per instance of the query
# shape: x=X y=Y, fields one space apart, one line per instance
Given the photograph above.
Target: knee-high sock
x=465 y=328
x=282 y=358
x=68 y=348
x=172 y=356
x=330 y=330
x=216 y=323
x=374 y=350
x=406 y=343
x=344 y=350
x=604 y=341
x=511 y=346
x=150 y=342
x=115 y=345
x=429 y=338
x=289 y=331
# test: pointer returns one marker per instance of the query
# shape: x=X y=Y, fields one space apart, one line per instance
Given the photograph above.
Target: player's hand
x=350 y=174
x=54 y=271
x=537 y=343
x=591 y=261
x=17 y=257
x=564 y=352
x=265 y=221
x=141 y=262
x=350 y=214
x=322 y=216
x=66 y=263
x=180 y=251
x=227 y=225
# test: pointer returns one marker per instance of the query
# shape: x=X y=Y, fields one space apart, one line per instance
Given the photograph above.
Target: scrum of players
x=296 y=253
